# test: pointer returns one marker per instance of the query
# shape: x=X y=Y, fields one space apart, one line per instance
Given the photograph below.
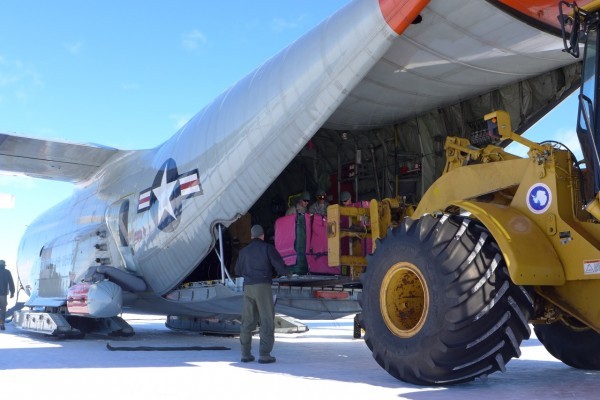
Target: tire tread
x=479 y=318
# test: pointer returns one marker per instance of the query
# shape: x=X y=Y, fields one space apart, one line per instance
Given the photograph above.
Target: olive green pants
x=258 y=308
x=3 y=305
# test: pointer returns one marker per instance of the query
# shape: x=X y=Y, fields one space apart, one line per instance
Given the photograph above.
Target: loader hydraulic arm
x=460 y=151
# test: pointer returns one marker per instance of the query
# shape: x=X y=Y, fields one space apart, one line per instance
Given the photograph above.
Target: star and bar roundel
x=167 y=192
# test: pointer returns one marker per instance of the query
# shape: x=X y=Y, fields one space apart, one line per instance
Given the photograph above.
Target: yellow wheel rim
x=404 y=299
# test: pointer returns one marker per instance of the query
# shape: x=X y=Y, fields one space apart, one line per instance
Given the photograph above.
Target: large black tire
x=573 y=344
x=438 y=306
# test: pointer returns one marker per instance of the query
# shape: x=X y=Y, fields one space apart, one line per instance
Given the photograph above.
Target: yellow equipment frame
x=557 y=249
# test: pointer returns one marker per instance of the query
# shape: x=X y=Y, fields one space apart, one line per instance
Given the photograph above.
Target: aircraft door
x=117 y=220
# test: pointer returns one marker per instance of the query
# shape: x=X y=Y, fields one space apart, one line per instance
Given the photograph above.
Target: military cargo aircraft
x=362 y=103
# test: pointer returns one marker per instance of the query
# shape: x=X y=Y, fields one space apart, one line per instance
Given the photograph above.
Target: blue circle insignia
x=539 y=198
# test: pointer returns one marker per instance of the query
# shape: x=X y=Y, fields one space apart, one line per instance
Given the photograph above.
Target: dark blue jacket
x=6 y=282
x=258 y=261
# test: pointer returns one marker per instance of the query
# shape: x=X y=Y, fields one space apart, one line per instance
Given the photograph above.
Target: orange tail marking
x=400 y=13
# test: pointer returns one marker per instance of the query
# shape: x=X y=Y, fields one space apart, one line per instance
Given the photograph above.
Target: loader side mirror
x=571 y=37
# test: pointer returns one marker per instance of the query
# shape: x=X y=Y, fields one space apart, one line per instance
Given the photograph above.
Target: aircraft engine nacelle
x=99 y=300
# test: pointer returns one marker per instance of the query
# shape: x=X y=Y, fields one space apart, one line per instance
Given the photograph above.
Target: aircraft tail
x=246 y=137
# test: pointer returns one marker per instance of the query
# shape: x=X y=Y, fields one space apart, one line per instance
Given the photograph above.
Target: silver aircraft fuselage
x=152 y=213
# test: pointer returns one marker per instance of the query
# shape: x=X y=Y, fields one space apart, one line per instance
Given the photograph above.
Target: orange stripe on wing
x=400 y=13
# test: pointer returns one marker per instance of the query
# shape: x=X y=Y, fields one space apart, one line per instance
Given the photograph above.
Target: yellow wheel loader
x=498 y=243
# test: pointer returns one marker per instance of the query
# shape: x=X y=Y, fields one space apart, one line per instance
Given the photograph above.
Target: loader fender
x=529 y=254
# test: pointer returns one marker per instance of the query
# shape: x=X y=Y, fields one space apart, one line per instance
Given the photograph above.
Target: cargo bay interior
x=396 y=161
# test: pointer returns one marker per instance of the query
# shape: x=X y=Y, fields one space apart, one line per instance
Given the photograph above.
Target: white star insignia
x=163 y=194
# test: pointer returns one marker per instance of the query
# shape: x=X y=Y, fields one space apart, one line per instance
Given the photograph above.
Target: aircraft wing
x=51 y=159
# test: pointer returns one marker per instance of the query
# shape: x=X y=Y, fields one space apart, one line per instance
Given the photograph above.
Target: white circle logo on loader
x=539 y=198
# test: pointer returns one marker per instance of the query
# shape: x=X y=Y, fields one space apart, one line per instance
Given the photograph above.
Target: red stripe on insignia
x=144 y=201
x=187 y=185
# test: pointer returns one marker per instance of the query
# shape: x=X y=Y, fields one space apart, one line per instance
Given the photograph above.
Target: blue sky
x=558 y=125
x=125 y=74
x=128 y=74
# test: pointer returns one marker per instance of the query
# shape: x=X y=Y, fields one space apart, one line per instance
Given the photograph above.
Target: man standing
x=6 y=285
x=256 y=264
x=300 y=210
x=320 y=206
x=346 y=199
x=301 y=206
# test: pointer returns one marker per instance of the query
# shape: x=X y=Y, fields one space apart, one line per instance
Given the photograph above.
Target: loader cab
x=580 y=27
x=588 y=117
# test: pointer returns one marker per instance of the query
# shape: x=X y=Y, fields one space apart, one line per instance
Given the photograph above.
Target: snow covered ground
x=325 y=362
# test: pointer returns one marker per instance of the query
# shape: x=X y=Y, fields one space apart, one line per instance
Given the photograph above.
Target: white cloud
x=16 y=181
x=281 y=24
x=22 y=95
x=569 y=138
x=18 y=79
x=7 y=200
x=9 y=73
x=180 y=119
x=193 y=40
x=74 y=47
x=130 y=86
